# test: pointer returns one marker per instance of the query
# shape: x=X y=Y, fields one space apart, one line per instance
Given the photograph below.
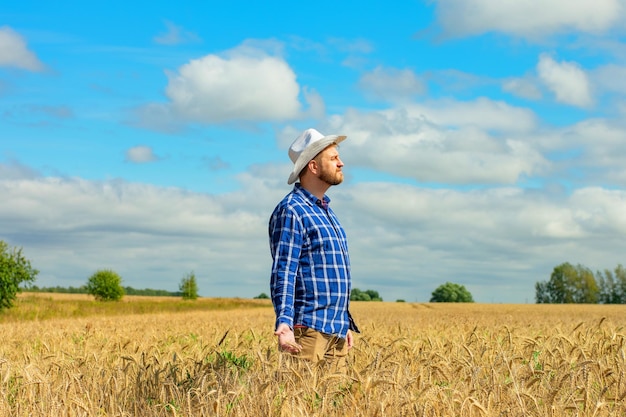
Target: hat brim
x=310 y=153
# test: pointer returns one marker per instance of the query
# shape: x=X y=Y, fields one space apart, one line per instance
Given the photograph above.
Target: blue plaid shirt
x=310 y=282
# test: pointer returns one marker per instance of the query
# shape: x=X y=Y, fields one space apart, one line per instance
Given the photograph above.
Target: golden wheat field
x=221 y=360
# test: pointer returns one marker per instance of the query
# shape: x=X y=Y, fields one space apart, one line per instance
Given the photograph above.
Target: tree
x=367 y=295
x=568 y=284
x=612 y=286
x=189 y=287
x=451 y=293
x=542 y=295
x=105 y=285
x=15 y=269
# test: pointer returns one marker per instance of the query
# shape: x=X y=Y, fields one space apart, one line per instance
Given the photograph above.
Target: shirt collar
x=309 y=196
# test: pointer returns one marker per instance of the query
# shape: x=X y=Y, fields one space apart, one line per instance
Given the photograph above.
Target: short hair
x=301 y=173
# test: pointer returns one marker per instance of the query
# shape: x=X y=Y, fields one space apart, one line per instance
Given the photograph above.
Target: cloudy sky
x=486 y=138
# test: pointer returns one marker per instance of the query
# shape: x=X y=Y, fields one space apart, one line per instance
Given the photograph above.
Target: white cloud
x=445 y=142
x=528 y=18
x=15 y=53
x=248 y=85
x=482 y=112
x=14 y=170
x=621 y=108
x=140 y=155
x=596 y=152
x=317 y=107
x=436 y=157
x=175 y=35
x=580 y=155
x=569 y=83
x=522 y=87
x=600 y=211
x=610 y=78
x=391 y=84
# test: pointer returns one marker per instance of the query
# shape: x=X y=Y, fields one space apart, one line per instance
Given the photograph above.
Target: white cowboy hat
x=306 y=147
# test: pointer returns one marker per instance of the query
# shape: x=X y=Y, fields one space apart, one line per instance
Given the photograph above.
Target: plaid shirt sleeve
x=285 y=245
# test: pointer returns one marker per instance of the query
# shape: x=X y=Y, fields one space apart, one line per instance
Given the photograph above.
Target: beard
x=331 y=178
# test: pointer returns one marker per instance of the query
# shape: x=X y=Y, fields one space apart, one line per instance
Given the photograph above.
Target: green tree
x=367 y=295
x=15 y=269
x=568 y=284
x=612 y=286
x=105 y=285
x=374 y=296
x=451 y=293
x=262 y=296
x=189 y=287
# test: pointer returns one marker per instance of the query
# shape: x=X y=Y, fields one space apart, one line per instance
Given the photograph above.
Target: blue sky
x=486 y=139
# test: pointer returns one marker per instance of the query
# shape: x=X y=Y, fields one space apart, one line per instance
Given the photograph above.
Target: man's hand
x=350 y=339
x=286 y=339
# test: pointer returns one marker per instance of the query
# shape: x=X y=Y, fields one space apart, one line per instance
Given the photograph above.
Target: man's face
x=330 y=165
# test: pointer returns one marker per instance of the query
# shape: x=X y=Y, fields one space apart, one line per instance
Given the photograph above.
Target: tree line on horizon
x=567 y=284
x=83 y=290
x=106 y=286
x=18 y=275
x=577 y=284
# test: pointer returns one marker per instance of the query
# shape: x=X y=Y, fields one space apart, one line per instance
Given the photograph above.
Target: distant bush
x=367 y=295
x=262 y=296
x=451 y=293
x=105 y=285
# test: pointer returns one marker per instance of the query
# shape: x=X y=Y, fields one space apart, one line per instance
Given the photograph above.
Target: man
x=310 y=281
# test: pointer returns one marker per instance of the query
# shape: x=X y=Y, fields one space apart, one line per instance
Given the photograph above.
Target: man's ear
x=313 y=166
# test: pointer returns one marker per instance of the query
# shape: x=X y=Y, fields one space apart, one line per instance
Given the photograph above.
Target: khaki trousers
x=322 y=349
